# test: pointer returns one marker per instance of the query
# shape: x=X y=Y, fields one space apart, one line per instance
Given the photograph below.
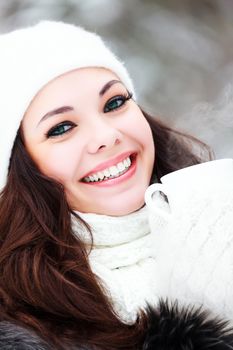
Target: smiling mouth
x=112 y=172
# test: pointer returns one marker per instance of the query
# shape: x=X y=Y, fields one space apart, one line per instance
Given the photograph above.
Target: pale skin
x=101 y=126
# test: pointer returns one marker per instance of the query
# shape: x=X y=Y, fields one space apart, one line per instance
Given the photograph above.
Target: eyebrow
x=107 y=86
x=56 y=111
x=65 y=109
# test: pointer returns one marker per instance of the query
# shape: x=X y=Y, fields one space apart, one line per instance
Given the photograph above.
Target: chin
x=124 y=209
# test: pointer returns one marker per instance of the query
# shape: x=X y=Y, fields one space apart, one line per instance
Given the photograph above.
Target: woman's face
x=83 y=130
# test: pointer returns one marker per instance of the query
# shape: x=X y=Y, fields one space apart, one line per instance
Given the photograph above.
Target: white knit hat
x=30 y=58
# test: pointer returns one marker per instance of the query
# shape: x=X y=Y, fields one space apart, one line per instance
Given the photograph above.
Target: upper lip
x=109 y=163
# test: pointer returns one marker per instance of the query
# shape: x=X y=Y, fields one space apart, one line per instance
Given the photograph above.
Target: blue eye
x=116 y=102
x=60 y=129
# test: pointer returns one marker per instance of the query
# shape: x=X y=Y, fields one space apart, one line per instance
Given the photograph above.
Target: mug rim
x=228 y=160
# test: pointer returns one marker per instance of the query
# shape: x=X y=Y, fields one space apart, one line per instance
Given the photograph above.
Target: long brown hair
x=46 y=283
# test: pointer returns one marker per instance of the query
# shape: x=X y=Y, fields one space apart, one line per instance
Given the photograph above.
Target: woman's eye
x=60 y=129
x=116 y=102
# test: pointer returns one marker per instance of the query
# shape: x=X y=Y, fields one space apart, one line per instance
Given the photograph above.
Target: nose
x=103 y=136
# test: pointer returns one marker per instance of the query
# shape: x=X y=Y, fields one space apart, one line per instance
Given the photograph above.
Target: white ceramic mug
x=178 y=185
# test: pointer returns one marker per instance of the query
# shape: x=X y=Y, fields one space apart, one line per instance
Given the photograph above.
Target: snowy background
x=179 y=53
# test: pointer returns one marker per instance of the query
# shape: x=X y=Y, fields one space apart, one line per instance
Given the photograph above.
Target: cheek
x=59 y=163
x=143 y=134
x=138 y=128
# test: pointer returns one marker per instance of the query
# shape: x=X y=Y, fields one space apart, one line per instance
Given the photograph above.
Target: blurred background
x=179 y=53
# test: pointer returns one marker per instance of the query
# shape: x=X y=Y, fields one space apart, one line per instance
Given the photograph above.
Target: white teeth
x=100 y=175
x=106 y=173
x=96 y=178
x=113 y=171
x=120 y=166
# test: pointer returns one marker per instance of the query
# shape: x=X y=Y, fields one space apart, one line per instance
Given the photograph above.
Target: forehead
x=92 y=77
x=81 y=77
x=67 y=87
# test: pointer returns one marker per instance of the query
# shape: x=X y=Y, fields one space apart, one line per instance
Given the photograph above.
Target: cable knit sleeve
x=195 y=252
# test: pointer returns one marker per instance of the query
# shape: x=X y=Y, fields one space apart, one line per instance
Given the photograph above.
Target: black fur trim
x=187 y=328
x=13 y=337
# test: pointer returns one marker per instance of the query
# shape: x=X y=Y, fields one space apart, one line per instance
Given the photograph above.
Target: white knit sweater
x=140 y=257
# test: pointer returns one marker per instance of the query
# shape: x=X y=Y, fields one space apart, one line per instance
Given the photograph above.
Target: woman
x=77 y=154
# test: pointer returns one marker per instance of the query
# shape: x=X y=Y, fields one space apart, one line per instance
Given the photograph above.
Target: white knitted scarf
x=122 y=257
